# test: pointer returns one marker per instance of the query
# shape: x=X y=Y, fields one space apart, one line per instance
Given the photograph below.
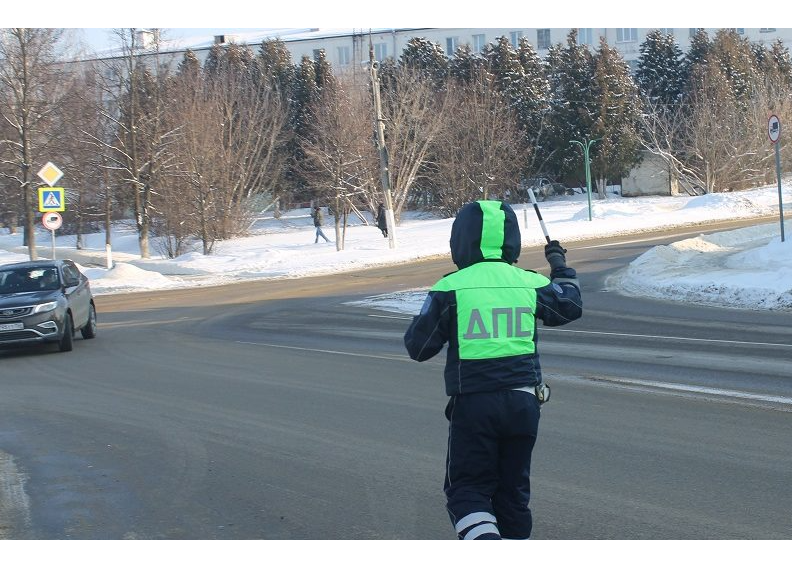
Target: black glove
x=554 y=254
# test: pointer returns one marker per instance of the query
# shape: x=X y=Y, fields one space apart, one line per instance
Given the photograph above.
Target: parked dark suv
x=45 y=301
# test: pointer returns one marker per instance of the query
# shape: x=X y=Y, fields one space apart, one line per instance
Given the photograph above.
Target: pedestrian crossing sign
x=52 y=199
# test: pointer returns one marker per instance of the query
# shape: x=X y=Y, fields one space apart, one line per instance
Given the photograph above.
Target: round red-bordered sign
x=52 y=220
x=774 y=128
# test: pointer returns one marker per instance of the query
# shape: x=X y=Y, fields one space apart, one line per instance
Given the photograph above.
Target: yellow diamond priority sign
x=50 y=173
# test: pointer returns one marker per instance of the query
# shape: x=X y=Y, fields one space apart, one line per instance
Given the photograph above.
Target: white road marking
x=677 y=387
x=638 y=335
x=330 y=351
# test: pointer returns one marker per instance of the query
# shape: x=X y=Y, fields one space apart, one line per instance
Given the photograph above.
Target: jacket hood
x=485 y=230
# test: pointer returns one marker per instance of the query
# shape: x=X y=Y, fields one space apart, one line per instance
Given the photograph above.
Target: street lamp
x=585 y=147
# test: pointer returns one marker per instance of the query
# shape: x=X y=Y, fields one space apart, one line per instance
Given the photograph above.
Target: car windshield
x=29 y=279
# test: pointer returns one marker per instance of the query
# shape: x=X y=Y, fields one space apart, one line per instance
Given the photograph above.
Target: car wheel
x=67 y=339
x=89 y=331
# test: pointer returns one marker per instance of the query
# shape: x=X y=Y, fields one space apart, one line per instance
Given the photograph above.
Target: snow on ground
x=746 y=268
x=749 y=267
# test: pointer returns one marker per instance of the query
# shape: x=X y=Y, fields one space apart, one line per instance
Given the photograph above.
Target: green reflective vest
x=496 y=303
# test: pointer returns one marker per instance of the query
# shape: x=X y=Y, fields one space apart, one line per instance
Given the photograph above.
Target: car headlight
x=42 y=307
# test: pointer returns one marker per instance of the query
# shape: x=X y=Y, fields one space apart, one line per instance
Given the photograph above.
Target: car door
x=79 y=296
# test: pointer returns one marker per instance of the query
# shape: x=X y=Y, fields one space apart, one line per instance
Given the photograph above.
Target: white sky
x=748 y=268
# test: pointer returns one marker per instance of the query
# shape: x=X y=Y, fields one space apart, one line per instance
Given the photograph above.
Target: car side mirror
x=71 y=283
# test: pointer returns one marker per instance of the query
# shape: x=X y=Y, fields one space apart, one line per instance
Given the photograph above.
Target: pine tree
x=520 y=80
x=323 y=73
x=697 y=54
x=276 y=67
x=305 y=92
x=618 y=117
x=573 y=106
x=661 y=75
x=424 y=56
x=465 y=65
x=737 y=61
x=535 y=107
x=776 y=69
x=190 y=66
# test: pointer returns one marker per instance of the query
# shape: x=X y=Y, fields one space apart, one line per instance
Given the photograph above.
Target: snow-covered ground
x=749 y=267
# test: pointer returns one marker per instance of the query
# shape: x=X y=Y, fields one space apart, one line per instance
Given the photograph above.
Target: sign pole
x=778 y=178
x=53 y=245
x=774 y=133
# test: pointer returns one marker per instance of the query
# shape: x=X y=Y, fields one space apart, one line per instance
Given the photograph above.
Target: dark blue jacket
x=485 y=237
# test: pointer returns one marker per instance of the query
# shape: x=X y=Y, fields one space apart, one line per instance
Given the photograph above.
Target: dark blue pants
x=487 y=485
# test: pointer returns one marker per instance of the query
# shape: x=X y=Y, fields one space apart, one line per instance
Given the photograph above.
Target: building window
x=586 y=36
x=765 y=30
x=543 y=38
x=451 y=45
x=626 y=34
x=667 y=31
x=740 y=31
x=515 y=37
x=344 y=55
x=478 y=42
x=380 y=51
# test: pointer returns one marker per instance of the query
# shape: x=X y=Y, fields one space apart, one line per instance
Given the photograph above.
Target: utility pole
x=383 y=151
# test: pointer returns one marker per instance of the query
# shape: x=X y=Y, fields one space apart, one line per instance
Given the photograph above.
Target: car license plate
x=11 y=326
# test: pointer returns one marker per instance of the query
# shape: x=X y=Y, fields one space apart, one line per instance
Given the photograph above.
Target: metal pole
x=778 y=177
x=53 y=244
x=383 y=151
x=585 y=149
x=588 y=176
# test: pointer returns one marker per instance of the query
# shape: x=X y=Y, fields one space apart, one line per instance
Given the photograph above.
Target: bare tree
x=254 y=123
x=414 y=115
x=31 y=89
x=79 y=122
x=230 y=134
x=480 y=149
x=141 y=144
x=343 y=160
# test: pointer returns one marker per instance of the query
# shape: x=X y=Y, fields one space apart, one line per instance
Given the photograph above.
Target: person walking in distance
x=382 y=222
x=318 y=220
x=487 y=312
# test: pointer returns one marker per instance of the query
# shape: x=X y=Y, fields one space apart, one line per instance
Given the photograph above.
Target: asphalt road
x=273 y=410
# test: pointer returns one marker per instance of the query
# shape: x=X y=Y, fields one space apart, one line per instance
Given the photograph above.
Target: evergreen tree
x=736 y=59
x=661 y=74
x=697 y=54
x=465 y=65
x=535 y=107
x=276 y=67
x=189 y=66
x=618 y=117
x=504 y=64
x=323 y=74
x=424 y=56
x=305 y=92
x=776 y=69
x=573 y=106
x=520 y=81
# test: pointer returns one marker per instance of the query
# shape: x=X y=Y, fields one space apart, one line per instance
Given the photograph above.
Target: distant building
x=650 y=178
x=345 y=48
